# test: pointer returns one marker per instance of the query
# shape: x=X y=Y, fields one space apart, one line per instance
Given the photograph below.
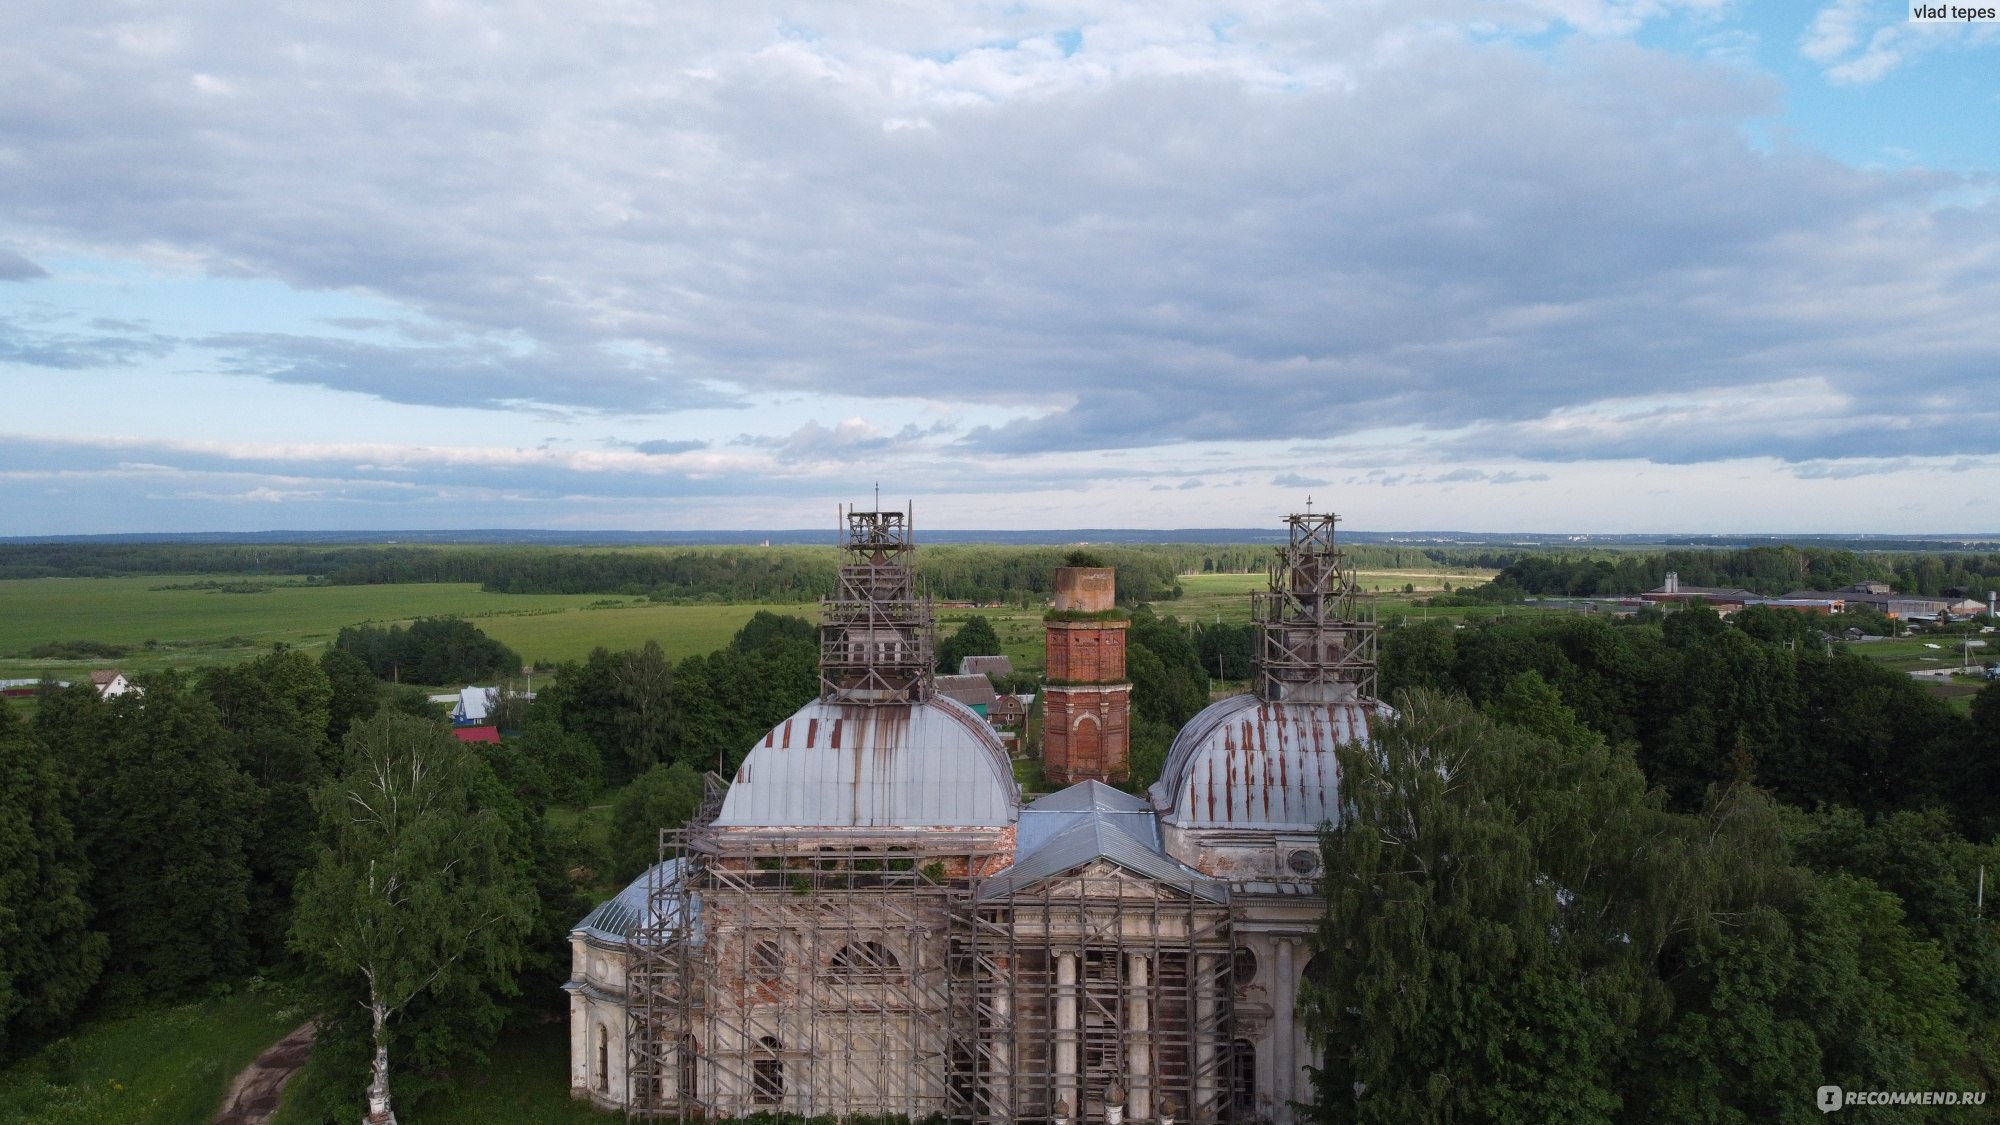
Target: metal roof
x=971 y=690
x=985 y=666
x=1090 y=821
x=618 y=918
x=1245 y=762
x=934 y=764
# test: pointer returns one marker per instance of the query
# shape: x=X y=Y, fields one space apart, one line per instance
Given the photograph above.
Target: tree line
x=1669 y=870
x=1769 y=571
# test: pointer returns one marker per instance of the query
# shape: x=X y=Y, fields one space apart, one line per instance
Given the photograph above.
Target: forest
x=1671 y=869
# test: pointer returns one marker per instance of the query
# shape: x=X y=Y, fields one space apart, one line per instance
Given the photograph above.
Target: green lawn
x=166 y=1066
x=527 y=1082
x=184 y=627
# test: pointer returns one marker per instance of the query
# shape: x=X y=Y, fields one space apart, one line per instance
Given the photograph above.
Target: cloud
x=14 y=267
x=1079 y=230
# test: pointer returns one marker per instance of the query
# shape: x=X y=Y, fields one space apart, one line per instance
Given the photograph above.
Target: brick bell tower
x=1086 y=725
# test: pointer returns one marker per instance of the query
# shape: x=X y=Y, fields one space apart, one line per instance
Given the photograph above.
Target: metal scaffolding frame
x=789 y=974
x=784 y=973
x=1094 y=977
x=1316 y=629
x=876 y=635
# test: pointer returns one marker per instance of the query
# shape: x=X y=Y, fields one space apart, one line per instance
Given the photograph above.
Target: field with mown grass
x=164 y=1066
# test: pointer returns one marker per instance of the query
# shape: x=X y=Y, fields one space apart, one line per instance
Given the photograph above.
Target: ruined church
x=868 y=920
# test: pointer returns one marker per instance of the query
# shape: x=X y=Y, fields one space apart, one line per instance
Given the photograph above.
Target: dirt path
x=253 y=1097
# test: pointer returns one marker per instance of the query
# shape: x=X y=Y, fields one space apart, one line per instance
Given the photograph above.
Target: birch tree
x=418 y=886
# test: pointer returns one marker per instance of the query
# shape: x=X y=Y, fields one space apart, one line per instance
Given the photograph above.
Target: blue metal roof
x=1091 y=821
x=620 y=918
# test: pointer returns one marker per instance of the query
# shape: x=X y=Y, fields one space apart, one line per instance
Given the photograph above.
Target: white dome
x=1247 y=763
x=929 y=765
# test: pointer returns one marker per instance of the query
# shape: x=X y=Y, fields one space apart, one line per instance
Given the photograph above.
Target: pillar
x=1138 y=1037
x=1284 y=1061
x=1066 y=1084
x=1207 y=1045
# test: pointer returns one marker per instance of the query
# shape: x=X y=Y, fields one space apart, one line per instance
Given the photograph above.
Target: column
x=1284 y=1063
x=1138 y=1037
x=1066 y=1085
x=580 y=1045
x=1207 y=1044
x=1000 y=1081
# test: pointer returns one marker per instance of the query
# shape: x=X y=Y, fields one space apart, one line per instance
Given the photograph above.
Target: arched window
x=686 y=1087
x=767 y=1074
x=1243 y=968
x=767 y=961
x=603 y=1060
x=864 y=960
x=1242 y=1077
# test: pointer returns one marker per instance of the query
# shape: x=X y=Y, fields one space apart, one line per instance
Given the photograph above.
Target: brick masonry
x=1086 y=726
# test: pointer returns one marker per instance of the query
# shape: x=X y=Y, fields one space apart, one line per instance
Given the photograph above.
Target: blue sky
x=1564 y=266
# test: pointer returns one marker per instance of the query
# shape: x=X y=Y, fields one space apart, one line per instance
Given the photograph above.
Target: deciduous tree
x=419 y=889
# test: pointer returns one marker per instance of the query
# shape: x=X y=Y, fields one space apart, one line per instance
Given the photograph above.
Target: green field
x=172 y=622
x=165 y=628
x=165 y=1066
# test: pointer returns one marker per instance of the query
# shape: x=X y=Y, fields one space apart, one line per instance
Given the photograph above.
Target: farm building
x=868 y=920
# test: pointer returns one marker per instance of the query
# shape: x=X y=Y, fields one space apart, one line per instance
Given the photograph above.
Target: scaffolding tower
x=876 y=635
x=1316 y=630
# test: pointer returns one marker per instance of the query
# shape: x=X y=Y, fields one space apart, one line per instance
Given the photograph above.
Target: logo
x=1829 y=1098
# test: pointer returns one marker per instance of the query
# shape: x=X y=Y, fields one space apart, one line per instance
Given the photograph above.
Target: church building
x=868 y=920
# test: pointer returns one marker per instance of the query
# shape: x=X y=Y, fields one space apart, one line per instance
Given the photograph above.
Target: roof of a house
x=102 y=677
x=973 y=690
x=935 y=764
x=1091 y=821
x=985 y=666
x=473 y=702
x=1244 y=762
x=476 y=734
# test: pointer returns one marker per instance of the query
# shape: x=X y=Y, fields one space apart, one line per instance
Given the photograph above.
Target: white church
x=870 y=921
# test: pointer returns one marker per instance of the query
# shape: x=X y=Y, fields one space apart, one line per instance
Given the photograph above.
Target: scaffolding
x=1093 y=979
x=1316 y=630
x=794 y=976
x=876 y=634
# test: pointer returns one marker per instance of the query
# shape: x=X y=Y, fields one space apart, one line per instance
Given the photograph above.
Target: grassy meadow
x=163 y=1066
x=190 y=622
x=172 y=622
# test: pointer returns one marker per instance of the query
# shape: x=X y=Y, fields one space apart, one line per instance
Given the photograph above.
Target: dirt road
x=253 y=1097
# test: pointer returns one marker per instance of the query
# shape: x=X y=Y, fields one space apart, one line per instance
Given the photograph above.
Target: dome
x=1249 y=763
x=934 y=764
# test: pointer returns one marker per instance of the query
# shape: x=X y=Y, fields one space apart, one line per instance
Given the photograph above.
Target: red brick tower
x=1086 y=726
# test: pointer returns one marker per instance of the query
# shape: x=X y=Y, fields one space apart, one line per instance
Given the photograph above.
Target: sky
x=1552 y=265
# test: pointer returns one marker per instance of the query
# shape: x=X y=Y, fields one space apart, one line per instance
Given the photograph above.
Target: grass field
x=167 y=1066
x=527 y=1082
x=166 y=628
x=172 y=622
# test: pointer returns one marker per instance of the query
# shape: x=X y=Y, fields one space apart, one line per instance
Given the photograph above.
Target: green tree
x=973 y=638
x=276 y=711
x=645 y=705
x=356 y=692
x=167 y=819
x=49 y=957
x=568 y=761
x=420 y=890
x=662 y=797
